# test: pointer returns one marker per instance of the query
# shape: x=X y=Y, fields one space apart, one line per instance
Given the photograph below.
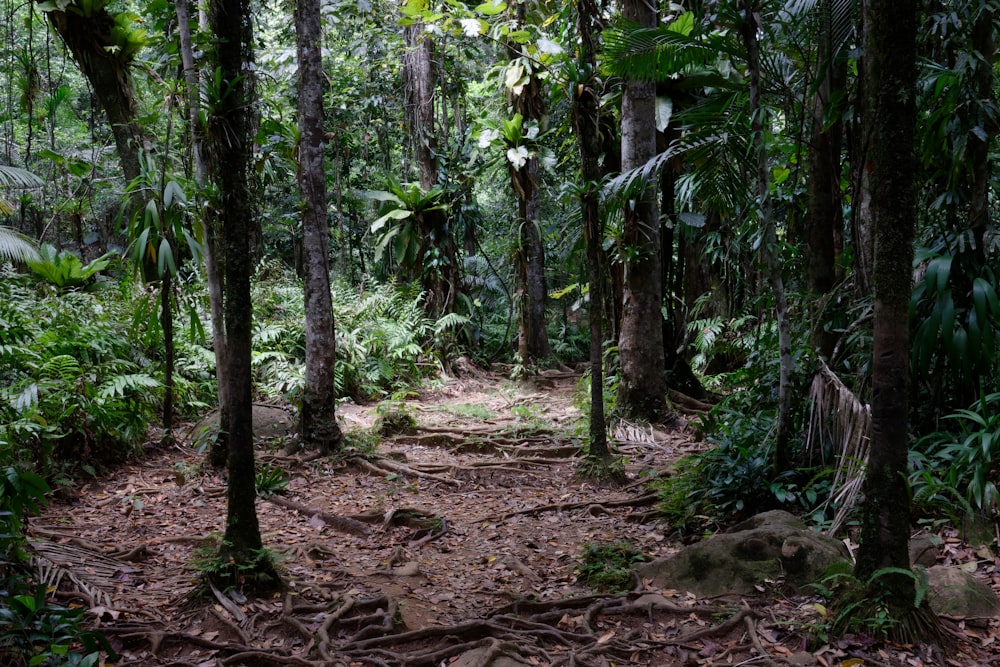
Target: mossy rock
x=769 y=546
x=395 y=422
x=954 y=592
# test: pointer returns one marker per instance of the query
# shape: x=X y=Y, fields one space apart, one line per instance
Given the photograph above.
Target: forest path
x=477 y=554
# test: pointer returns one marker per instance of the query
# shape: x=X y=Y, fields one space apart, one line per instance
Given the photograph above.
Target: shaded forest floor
x=459 y=545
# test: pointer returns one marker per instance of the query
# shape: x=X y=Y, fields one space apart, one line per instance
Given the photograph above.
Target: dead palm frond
x=839 y=419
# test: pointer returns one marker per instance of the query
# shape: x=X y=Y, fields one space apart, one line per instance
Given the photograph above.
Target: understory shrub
x=958 y=468
x=73 y=389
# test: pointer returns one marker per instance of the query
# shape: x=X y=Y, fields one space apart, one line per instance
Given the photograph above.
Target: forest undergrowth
x=458 y=536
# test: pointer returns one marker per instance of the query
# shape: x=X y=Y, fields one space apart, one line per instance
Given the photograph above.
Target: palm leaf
x=15 y=246
x=839 y=418
x=651 y=54
x=19 y=178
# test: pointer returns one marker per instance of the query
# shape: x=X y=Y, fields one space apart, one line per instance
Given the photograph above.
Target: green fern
x=123 y=385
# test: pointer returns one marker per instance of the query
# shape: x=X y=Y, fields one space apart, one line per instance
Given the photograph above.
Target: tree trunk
x=641 y=389
x=420 y=77
x=824 y=217
x=167 y=322
x=319 y=423
x=210 y=245
x=586 y=122
x=532 y=339
x=230 y=139
x=89 y=40
x=890 y=75
x=769 y=244
x=979 y=149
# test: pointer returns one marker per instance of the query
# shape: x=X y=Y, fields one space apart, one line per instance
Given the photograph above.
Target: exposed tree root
x=340 y=523
x=641 y=501
x=385 y=467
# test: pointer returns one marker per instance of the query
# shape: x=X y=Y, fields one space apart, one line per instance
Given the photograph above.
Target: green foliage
x=865 y=607
x=961 y=464
x=956 y=313
x=399 y=225
x=608 y=567
x=271 y=481
x=392 y=418
x=73 y=390
x=256 y=572
x=34 y=632
x=64 y=270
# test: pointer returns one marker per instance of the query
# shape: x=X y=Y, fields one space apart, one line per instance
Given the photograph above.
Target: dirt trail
x=491 y=530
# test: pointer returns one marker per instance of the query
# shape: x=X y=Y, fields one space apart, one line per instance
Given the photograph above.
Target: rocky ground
x=459 y=544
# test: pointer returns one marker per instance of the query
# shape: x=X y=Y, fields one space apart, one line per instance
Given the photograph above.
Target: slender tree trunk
x=824 y=217
x=890 y=76
x=319 y=423
x=532 y=340
x=586 y=121
x=211 y=246
x=642 y=389
x=231 y=147
x=979 y=148
x=769 y=245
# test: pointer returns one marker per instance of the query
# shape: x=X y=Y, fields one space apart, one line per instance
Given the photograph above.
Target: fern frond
x=122 y=385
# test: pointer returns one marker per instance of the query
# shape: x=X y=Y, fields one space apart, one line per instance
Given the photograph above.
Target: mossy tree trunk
x=319 y=422
x=231 y=144
x=890 y=77
x=642 y=389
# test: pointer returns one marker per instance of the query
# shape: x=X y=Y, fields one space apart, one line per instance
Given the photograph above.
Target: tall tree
x=211 y=248
x=769 y=242
x=824 y=216
x=228 y=150
x=586 y=123
x=105 y=52
x=436 y=261
x=319 y=421
x=641 y=390
x=527 y=101
x=890 y=79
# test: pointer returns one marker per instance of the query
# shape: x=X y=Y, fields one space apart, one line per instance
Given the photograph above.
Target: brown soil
x=471 y=547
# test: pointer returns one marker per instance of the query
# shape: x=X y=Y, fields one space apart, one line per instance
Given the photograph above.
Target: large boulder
x=772 y=545
x=955 y=592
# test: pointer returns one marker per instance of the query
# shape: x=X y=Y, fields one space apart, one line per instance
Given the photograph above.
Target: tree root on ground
x=640 y=501
x=340 y=523
x=580 y=631
x=384 y=467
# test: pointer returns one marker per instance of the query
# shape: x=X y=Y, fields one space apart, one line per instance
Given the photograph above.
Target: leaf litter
x=467 y=555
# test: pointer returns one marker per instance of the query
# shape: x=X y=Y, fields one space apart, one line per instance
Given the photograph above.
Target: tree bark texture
x=586 y=122
x=641 y=389
x=824 y=217
x=420 y=76
x=210 y=241
x=319 y=423
x=890 y=76
x=532 y=340
x=230 y=136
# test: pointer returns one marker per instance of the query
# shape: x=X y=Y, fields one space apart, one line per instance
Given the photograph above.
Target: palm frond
x=651 y=54
x=19 y=178
x=16 y=247
x=839 y=419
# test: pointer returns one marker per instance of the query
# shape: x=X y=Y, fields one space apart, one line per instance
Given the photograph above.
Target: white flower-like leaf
x=517 y=156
